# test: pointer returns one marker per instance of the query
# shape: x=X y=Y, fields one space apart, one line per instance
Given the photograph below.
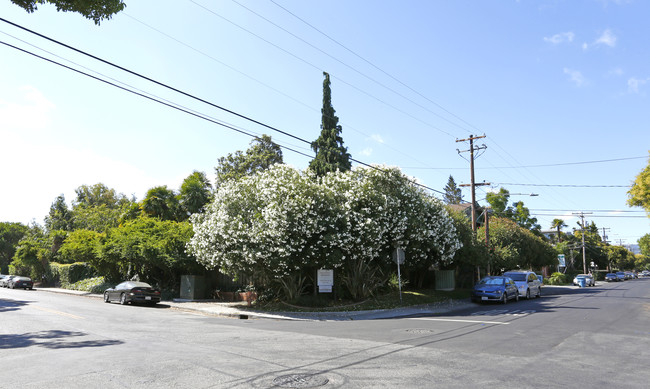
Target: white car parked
x=527 y=283
x=589 y=280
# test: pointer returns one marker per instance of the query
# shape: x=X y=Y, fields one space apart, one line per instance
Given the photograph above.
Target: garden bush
x=66 y=274
x=557 y=279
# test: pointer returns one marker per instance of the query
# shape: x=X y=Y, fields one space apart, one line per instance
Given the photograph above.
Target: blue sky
x=554 y=85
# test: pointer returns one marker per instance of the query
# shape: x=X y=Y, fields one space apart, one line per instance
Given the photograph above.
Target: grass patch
x=325 y=303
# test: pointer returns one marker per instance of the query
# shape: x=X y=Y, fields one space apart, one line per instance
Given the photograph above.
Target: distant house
x=466 y=208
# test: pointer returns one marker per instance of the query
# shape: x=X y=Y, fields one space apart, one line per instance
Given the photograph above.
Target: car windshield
x=491 y=281
x=516 y=276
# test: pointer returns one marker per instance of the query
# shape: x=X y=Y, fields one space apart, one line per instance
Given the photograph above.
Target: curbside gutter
x=233 y=310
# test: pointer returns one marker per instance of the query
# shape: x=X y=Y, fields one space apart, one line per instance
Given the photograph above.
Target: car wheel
x=106 y=298
x=123 y=299
x=527 y=294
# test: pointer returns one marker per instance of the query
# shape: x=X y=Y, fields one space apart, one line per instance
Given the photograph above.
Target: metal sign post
x=398 y=258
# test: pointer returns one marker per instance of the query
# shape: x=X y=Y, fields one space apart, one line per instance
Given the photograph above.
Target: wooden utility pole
x=473 y=181
x=584 y=252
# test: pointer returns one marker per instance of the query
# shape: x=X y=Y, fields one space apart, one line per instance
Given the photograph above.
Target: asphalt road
x=595 y=337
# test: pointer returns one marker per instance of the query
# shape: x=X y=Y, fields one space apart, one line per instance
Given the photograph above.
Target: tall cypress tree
x=453 y=194
x=331 y=155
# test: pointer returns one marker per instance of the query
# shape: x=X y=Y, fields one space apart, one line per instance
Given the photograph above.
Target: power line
x=586 y=210
x=394 y=78
x=349 y=67
x=532 y=166
x=185 y=94
x=155 y=81
x=566 y=186
x=347 y=125
x=318 y=68
x=376 y=67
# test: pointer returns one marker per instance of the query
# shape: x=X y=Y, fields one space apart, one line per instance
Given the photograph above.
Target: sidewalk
x=238 y=310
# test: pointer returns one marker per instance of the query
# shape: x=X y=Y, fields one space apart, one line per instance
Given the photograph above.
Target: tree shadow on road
x=7 y=305
x=53 y=339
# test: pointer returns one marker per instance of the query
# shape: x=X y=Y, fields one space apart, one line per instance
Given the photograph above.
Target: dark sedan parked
x=132 y=292
x=21 y=282
x=609 y=277
x=495 y=288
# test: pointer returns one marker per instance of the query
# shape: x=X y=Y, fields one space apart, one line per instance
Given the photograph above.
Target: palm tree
x=559 y=224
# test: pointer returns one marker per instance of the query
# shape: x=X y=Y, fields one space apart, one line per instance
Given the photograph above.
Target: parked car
x=495 y=288
x=5 y=281
x=527 y=283
x=132 y=292
x=621 y=276
x=589 y=279
x=609 y=277
x=21 y=282
x=645 y=273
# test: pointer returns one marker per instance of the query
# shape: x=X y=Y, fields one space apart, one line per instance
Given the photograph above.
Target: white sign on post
x=398 y=257
x=561 y=260
x=325 y=280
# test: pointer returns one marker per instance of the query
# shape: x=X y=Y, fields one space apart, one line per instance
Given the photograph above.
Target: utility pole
x=473 y=183
x=605 y=234
x=584 y=253
x=487 y=237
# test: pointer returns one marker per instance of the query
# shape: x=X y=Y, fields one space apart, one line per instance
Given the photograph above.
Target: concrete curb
x=232 y=311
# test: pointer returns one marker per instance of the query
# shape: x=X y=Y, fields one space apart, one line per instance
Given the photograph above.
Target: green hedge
x=557 y=279
x=93 y=285
x=66 y=274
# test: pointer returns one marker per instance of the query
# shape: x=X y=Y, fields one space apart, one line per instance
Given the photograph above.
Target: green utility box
x=192 y=287
x=445 y=280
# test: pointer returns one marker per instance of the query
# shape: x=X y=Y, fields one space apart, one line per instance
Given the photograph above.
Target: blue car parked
x=495 y=288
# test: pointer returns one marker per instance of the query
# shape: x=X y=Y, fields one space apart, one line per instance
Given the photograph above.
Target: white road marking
x=458 y=320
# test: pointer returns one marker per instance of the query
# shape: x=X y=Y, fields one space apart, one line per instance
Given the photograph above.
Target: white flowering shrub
x=281 y=223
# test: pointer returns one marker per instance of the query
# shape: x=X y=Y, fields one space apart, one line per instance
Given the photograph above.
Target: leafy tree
x=81 y=246
x=195 y=193
x=499 y=203
x=60 y=217
x=97 y=195
x=261 y=155
x=642 y=262
x=96 y=10
x=519 y=213
x=10 y=235
x=644 y=245
x=517 y=247
x=150 y=248
x=99 y=208
x=162 y=203
x=639 y=193
x=521 y=216
x=559 y=224
x=32 y=253
x=331 y=155
x=453 y=194
x=473 y=252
